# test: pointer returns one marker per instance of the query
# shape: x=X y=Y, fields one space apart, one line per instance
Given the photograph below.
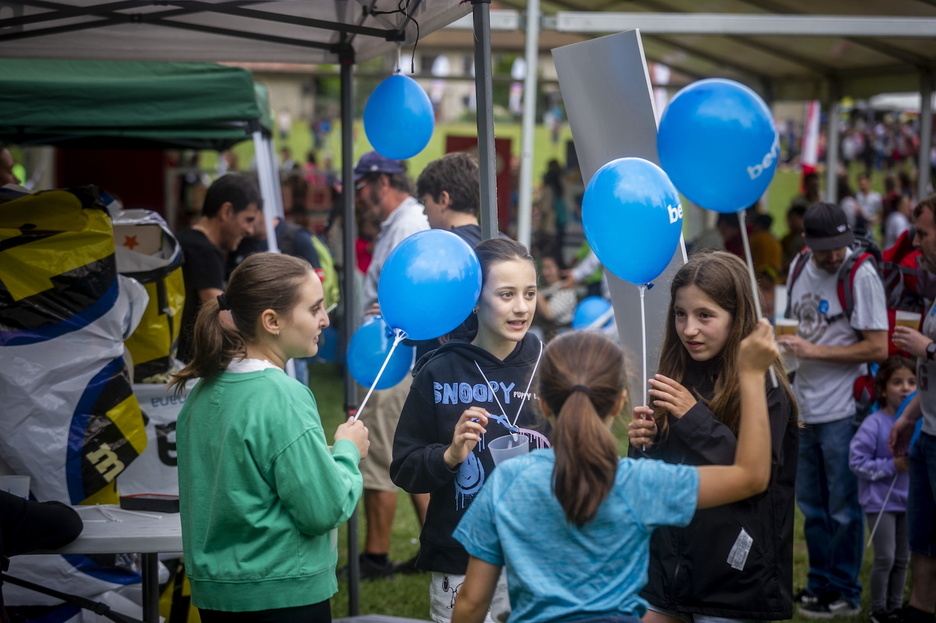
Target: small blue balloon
x=429 y=284
x=328 y=345
x=589 y=311
x=368 y=349
x=718 y=144
x=398 y=118
x=632 y=218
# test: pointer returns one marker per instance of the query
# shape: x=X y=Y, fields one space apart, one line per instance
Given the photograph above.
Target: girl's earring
x=276 y=334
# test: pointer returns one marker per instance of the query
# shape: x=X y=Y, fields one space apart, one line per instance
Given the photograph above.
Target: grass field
x=407 y=595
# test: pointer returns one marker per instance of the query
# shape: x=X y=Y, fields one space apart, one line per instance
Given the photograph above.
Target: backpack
x=864 y=249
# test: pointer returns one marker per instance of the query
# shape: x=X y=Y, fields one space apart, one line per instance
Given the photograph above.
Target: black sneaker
x=371 y=570
x=879 y=617
x=909 y=614
x=803 y=596
x=815 y=610
x=408 y=567
x=842 y=607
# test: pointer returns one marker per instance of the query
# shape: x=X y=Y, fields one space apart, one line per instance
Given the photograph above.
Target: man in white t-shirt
x=832 y=349
x=921 y=506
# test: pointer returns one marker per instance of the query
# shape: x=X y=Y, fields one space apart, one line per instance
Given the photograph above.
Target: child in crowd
x=883 y=483
x=572 y=524
x=465 y=395
x=261 y=492
x=741 y=555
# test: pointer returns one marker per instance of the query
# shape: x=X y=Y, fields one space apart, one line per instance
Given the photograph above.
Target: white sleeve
x=870 y=302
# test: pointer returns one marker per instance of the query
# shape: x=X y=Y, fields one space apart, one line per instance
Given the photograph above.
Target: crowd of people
x=696 y=524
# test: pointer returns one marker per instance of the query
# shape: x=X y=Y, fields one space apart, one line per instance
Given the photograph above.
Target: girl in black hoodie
x=466 y=394
x=733 y=562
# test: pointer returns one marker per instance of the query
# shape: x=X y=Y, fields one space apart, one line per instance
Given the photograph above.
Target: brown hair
x=581 y=379
x=887 y=370
x=490 y=252
x=262 y=281
x=458 y=175
x=925 y=204
x=725 y=279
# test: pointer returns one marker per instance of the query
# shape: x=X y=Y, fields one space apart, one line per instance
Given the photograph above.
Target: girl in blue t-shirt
x=572 y=524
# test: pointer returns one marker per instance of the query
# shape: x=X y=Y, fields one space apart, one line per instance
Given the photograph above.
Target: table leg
x=150 y=588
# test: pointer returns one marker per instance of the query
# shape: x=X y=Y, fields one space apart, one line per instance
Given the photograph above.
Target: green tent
x=132 y=105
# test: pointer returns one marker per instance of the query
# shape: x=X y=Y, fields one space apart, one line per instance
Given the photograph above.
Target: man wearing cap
x=921 y=503
x=386 y=191
x=832 y=350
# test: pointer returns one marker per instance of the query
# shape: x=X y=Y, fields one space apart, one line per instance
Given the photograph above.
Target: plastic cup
x=505 y=447
x=909 y=319
x=15 y=485
x=787 y=326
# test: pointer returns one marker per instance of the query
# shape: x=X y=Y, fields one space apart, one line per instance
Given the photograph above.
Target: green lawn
x=407 y=596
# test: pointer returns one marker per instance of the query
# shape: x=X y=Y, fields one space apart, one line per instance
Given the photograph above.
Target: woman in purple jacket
x=882 y=487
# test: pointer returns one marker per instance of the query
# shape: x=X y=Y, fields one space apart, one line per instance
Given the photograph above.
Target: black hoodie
x=447 y=383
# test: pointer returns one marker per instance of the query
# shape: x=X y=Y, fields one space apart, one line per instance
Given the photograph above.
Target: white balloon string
x=643 y=338
x=399 y=59
x=881 y=514
x=399 y=336
x=754 y=289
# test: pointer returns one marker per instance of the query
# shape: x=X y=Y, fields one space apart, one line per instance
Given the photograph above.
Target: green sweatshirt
x=261 y=493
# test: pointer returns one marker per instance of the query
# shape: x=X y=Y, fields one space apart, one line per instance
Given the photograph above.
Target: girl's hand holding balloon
x=642 y=430
x=758 y=350
x=354 y=431
x=468 y=431
x=671 y=396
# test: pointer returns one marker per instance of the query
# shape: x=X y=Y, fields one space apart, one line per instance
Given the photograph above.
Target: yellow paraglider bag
x=70 y=419
x=147 y=250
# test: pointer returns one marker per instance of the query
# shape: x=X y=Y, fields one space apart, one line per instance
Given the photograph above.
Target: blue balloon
x=369 y=348
x=429 y=284
x=632 y=218
x=328 y=345
x=718 y=144
x=398 y=118
x=589 y=310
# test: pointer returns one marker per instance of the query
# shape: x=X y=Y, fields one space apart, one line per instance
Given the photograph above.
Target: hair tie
x=222 y=302
x=580 y=388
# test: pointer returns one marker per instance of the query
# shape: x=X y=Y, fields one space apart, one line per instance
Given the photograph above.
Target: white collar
x=240 y=366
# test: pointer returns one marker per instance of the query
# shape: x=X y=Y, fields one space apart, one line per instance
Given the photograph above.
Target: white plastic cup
x=505 y=447
x=15 y=485
x=787 y=326
x=908 y=319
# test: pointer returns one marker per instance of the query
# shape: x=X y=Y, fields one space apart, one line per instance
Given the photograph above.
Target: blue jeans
x=921 y=505
x=827 y=495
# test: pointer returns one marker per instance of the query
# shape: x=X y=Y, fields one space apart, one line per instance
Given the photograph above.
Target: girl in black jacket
x=733 y=561
x=466 y=394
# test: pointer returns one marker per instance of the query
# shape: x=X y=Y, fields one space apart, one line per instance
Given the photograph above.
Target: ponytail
x=582 y=378
x=586 y=459
x=215 y=347
x=262 y=281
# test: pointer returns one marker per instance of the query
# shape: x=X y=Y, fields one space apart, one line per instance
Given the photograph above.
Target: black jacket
x=689 y=569
x=448 y=382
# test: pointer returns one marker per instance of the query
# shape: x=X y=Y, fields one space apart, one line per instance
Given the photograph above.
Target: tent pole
x=277 y=184
x=525 y=206
x=832 y=145
x=483 y=87
x=266 y=188
x=926 y=134
x=349 y=304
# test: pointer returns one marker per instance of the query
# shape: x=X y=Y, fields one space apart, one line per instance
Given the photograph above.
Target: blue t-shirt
x=557 y=570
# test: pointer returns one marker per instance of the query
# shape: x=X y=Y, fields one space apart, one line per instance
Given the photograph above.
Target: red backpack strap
x=846 y=282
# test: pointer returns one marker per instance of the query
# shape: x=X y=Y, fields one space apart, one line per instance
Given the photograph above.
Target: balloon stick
x=881 y=514
x=754 y=289
x=398 y=336
x=643 y=337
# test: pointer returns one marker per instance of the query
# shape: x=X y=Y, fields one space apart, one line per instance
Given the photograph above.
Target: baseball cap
x=372 y=162
x=826 y=227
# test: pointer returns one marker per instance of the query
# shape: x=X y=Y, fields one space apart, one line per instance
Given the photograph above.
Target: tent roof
x=292 y=31
x=132 y=104
x=786 y=49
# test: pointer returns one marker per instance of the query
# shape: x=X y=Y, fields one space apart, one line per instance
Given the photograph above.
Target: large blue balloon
x=718 y=144
x=398 y=118
x=429 y=284
x=589 y=310
x=632 y=218
x=369 y=348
